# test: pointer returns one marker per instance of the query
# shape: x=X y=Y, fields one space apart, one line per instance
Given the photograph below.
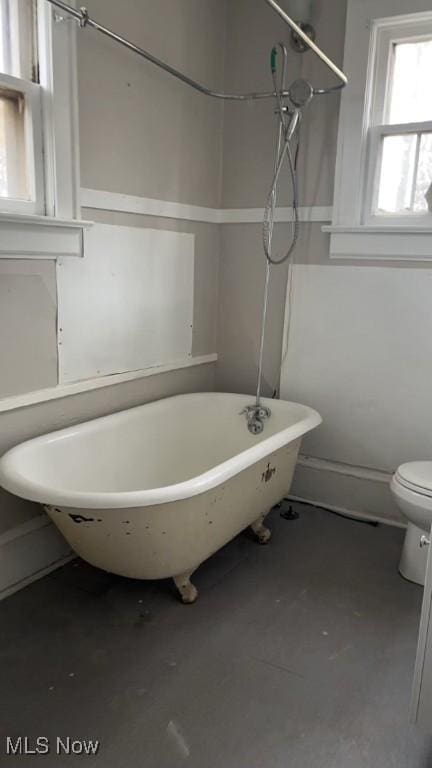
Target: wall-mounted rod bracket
x=84 y=20
x=308 y=41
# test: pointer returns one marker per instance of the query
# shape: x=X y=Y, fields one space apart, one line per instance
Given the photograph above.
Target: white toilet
x=411 y=487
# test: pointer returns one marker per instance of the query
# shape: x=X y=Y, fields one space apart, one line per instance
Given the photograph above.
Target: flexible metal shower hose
x=283 y=151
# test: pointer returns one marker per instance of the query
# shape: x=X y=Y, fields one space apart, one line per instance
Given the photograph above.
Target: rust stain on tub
x=268 y=474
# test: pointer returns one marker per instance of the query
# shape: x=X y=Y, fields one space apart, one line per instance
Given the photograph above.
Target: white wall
x=28 y=343
x=143 y=132
x=135 y=311
x=358 y=350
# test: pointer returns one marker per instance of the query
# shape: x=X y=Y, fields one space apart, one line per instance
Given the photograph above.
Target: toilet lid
x=416 y=475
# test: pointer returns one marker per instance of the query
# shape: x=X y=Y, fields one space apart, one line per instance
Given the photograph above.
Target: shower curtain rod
x=84 y=20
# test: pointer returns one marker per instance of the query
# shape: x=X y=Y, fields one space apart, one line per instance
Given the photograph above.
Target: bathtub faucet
x=255 y=416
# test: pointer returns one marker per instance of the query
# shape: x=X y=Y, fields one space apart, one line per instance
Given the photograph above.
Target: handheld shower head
x=294 y=121
x=300 y=93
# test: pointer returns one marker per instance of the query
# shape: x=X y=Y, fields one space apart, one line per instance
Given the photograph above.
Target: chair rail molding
x=145 y=206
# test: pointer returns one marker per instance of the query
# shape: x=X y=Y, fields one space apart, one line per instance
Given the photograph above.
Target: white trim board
x=76 y=388
x=308 y=213
x=28 y=552
x=40 y=237
x=146 y=206
x=349 y=470
x=361 y=492
x=385 y=243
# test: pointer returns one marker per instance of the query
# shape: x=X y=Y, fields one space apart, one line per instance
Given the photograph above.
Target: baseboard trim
x=29 y=552
x=22 y=530
x=350 y=512
x=355 y=490
x=349 y=470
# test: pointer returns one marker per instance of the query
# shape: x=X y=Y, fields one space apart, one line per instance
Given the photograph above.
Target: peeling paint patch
x=175 y=734
x=268 y=474
x=81 y=519
x=49 y=509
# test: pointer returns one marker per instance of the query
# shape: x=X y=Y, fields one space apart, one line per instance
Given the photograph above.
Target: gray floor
x=297 y=655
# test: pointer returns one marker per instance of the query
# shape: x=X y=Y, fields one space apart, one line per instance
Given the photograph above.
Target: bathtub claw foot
x=261 y=531
x=187 y=591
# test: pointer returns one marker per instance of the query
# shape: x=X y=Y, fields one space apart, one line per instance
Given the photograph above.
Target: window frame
x=354 y=232
x=51 y=121
x=388 y=34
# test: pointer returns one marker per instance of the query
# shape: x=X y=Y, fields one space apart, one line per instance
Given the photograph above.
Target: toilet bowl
x=411 y=486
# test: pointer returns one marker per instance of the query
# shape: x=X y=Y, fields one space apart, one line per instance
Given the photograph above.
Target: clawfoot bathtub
x=153 y=491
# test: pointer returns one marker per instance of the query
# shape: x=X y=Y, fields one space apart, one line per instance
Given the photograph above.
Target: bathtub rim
x=16 y=483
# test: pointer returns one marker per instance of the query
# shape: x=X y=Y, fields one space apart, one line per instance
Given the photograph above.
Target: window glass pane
x=424 y=174
x=410 y=90
x=13 y=176
x=397 y=173
x=18 y=55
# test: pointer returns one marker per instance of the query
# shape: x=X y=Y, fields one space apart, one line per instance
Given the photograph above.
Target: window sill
x=40 y=237
x=391 y=243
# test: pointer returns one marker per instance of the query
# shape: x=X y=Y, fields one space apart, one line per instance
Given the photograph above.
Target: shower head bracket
x=297 y=43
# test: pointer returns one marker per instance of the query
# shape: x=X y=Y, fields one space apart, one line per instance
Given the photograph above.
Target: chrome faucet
x=255 y=417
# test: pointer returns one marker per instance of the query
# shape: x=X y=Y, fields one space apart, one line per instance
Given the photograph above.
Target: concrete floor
x=297 y=655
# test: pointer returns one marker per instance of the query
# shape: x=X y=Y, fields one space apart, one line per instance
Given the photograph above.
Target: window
x=39 y=144
x=21 y=148
x=383 y=186
x=400 y=132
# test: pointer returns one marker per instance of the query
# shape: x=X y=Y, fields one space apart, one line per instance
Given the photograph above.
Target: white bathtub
x=153 y=491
